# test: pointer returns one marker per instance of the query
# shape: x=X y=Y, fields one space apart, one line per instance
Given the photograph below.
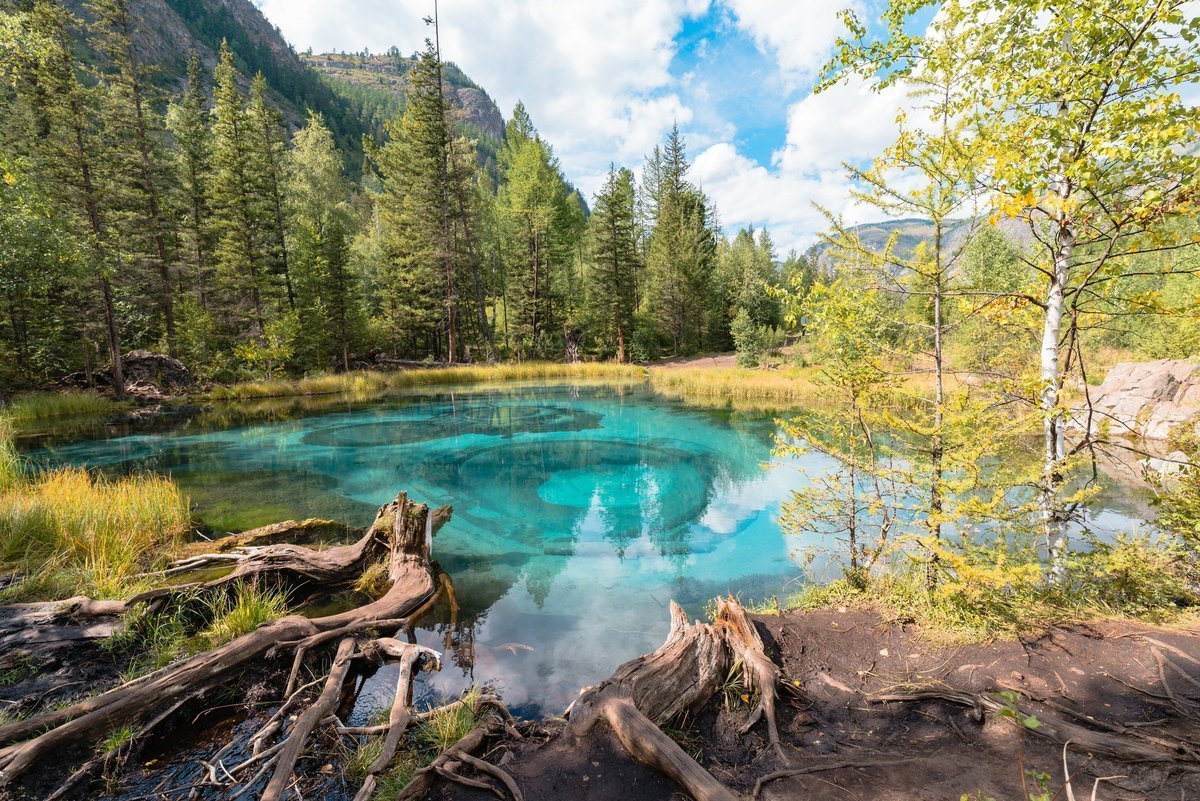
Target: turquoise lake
x=579 y=513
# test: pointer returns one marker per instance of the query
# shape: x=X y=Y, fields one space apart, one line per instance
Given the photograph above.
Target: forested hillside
x=185 y=216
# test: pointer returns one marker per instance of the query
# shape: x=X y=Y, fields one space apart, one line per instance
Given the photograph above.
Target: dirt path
x=722 y=360
x=1133 y=686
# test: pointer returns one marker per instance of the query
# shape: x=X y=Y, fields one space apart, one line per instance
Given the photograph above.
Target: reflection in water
x=579 y=513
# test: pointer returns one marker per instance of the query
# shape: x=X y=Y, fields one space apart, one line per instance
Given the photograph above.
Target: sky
x=605 y=81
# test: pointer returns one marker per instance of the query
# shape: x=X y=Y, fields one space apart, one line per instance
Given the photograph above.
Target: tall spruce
x=238 y=221
x=267 y=166
x=140 y=173
x=67 y=149
x=614 y=262
x=188 y=122
x=320 y=220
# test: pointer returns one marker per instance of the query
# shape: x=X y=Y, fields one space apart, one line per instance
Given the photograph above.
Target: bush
x=751 y=341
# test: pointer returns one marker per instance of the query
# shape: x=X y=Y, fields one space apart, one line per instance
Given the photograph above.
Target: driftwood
x=402 y=533
x=678 y=679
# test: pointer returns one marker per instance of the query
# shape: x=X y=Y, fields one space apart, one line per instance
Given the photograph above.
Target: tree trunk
x=1054 y=449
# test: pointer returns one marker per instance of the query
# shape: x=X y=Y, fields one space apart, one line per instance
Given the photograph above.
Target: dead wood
x=402 y=531
x=423 y=780
x=1057 y=730
x=677 y=679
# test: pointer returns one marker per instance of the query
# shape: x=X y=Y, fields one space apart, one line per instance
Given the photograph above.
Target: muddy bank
x=1124 y=695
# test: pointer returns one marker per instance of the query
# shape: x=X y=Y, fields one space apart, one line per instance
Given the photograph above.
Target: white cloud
x=799 y=33
x=846 y=123
x=594 y=76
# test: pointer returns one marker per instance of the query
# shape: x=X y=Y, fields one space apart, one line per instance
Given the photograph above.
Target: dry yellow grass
x=68 y=529
x=784 y=388
x=366 y=383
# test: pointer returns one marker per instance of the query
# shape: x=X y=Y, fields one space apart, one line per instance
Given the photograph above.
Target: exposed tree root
x=402 y=531
x=679 y=678
x=423 y=780
x=1112 y=744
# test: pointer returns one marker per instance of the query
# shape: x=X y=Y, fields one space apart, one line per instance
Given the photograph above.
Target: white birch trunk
x=1053 y=423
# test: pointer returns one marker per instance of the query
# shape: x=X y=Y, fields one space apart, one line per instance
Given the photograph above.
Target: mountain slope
x=373 y=86
x=169 y=30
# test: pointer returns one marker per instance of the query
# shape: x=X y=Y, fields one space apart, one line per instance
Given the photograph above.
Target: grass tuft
x=117 y=739
x=26 y=411
x=242 y=611
x=771 y=389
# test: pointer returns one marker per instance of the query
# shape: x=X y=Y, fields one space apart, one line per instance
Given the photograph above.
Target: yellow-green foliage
x=768 y=388
x=11 y=470
x=27 y=410
x=71 y=529
x=365 y=383
x=997 y=591
x=242 y=611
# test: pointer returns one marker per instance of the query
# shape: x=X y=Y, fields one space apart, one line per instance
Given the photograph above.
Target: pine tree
x=267 y=173
x=421 y=305
x=67 y=149
x=540 y=232
x=238 y=224
x=135 y=133
x=320 y=221
x=613 y=261
x=188 y=122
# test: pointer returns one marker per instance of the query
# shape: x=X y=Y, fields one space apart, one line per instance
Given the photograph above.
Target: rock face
x=1148 y=399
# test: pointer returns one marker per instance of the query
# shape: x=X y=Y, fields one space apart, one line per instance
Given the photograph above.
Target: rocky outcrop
x=1147 y=399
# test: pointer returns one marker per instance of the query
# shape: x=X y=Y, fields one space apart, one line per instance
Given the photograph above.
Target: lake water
x=579 y=513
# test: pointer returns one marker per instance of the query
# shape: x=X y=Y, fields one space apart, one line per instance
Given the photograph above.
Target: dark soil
x=1103 y=675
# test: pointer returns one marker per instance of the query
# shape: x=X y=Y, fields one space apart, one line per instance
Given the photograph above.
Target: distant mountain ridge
x=911 y=232
x=169 y=30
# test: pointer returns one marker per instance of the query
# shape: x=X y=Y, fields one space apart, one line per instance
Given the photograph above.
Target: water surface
x=579 y=513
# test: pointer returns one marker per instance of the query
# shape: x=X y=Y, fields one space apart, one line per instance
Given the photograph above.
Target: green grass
x=430 y=737
x=117 y=739
x=442 y=730
x=242 y=611
x=365 y=383
x=68 y=530
x=26 y=411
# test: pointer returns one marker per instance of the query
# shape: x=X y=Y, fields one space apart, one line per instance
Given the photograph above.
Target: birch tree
x=1077 y=113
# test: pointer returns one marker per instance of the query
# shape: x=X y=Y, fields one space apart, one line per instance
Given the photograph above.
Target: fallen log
x=402 y=532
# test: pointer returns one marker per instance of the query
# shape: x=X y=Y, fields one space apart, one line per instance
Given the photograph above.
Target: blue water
x=579 y=513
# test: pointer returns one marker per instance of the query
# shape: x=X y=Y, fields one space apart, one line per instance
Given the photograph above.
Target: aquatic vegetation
x=27 y=410
x=772 y=389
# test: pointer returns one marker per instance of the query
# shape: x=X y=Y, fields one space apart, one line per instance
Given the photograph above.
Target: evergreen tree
x=613 y=262
x=320 y=222
x=139 y=175
x=188 y=122
x=267 y=174
x=238 y=221
x=66 y=149
x=541 y=226
x=421 y=305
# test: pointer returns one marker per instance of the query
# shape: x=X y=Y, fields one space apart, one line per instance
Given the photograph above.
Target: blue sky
x=604 y=81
